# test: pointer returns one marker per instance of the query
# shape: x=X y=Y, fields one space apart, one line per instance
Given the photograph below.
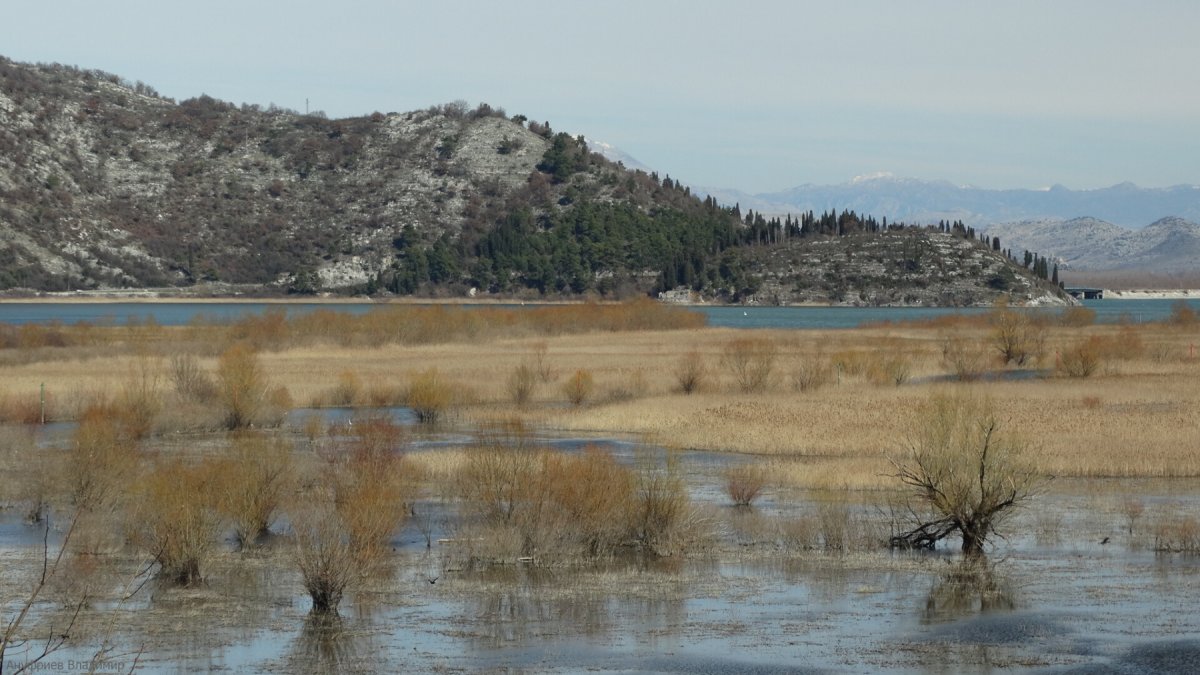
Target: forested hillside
x=104 y=184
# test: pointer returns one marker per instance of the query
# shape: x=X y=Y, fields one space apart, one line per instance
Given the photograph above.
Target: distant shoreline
x=1153 y=294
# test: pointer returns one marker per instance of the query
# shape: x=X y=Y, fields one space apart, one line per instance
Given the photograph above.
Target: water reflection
x=324 y=645
x=968 y=588
x=524 y=606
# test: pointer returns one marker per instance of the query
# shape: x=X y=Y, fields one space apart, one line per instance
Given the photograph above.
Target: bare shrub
x=174 y=520
x=1019 y=339
x=191 y=382
x=540 y=363
x=250 y=481
x=430 y=396
x=661 y=507
x=744 y=483
x=889 y=369
x=345 y=520
x=521 y=384
x=1077 y=317
x=967 y=359
x=1132 y=509
x=139 y=400
x=1182 y=315
x=324 y=555
x=101 y=460
x=751 y=361
x=812 y=374
x=1177 y=533
x=965 y=470
x=373 y=486
x=578 y=388
x=241 y=386
x=631 y=385
x=1080 y=359
x=529 y=502
x=690 y=372
x=347 y=390
x=30 y=474
x=801 y=532
x=593 y=493
x=834 y=519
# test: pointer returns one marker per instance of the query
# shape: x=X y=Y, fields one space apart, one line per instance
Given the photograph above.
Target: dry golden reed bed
x=832 y=407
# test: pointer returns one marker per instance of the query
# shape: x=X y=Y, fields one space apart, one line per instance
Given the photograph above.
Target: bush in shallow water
x=241 y=386
x=430 y=396
x=175 y=520
x=250 y=479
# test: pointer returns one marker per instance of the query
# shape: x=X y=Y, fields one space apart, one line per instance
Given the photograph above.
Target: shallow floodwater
x=1054 y=600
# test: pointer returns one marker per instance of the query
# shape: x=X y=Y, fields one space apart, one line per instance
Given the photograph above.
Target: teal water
x=181 y=313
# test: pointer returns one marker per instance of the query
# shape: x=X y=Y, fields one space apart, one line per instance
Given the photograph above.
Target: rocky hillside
x=933 y=268
x=104 y=184
x=1166 y=246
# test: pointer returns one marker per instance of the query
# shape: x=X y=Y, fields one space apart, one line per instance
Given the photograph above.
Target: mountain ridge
x=1168 y=245
x=916 y=200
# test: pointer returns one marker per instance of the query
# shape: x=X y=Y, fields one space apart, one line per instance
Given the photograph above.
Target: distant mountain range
x=917 y=201
x=1166 y=246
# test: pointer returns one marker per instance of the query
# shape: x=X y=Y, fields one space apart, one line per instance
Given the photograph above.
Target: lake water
x=181 y=313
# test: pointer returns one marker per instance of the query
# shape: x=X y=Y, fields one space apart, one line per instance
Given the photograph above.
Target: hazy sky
x=754 y=94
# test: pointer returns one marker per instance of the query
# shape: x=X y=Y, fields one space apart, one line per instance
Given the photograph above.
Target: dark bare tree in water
x=967 y=475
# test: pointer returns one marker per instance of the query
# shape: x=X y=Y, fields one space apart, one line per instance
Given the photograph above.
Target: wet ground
x=1053 y=599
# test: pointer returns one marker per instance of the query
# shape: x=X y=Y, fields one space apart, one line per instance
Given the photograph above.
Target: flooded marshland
x=1076 y=586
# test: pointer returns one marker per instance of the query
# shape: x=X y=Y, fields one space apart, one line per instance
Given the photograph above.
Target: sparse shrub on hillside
x=751 y=361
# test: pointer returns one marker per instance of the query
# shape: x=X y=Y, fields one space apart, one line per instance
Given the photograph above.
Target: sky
x=756 y=95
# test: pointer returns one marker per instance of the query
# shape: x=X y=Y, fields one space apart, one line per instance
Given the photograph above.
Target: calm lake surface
x=181 y=313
